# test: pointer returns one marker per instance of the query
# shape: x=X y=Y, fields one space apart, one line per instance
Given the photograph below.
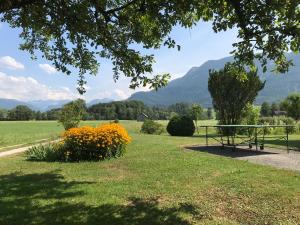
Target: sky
x=25 y=79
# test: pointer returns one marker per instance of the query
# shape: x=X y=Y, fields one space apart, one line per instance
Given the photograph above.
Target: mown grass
x=156 y=182
x=15 y=134
x=18 y=133
x=23 y=132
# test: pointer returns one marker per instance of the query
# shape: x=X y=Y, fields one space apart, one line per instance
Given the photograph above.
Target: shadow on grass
x=47 y=198
x=294 y=144
x=228 y=152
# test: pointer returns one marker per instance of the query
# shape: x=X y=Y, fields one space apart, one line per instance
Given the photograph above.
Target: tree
x=38 y=115
x=232 y=89
x=75 y=33
x=292 y=105
x=196 y=111
x=210 y=113
x=265 y=109
x=274 y=108
x=250 y=116
x=3 y=114
x=72 y=113
x=52 y=114
x=20 y=112
x=180 y=108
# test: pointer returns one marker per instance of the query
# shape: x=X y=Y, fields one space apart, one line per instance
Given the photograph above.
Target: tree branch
x=6 y=5
x=114 y=10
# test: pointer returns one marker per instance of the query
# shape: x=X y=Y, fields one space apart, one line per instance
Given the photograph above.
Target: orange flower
x=106 y=136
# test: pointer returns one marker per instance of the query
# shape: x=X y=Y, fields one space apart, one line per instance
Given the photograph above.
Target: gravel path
x=271 y=157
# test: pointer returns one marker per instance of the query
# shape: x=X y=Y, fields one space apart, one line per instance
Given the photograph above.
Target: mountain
x=44 y=105
x=192 y=87
x=11 y=103
x=97 y=101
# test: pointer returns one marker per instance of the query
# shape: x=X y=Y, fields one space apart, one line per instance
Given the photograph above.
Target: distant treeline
x=121 y=110
x=290 y=106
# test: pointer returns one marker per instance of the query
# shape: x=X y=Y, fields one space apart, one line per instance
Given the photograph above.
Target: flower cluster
x=95 y=143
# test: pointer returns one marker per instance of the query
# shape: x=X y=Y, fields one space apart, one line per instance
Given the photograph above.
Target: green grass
x=15 y=134
x=25 y=132
x=157 y=182
x=19 y=133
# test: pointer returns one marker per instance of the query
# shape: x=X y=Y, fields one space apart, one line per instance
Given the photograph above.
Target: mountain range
x=192 y=87
x=44 y=105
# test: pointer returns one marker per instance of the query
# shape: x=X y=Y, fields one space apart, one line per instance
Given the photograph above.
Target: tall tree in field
x=196 y=111
x=292 y=105
x=232 y=89
x=74 y=34
x=274 y=108
x=20 y=112
x=265 y=109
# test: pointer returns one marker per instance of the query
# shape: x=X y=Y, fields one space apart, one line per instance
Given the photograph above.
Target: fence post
x=206 y=135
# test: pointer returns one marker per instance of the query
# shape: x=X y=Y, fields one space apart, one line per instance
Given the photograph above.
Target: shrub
x=71 y=114
x=181 y=126
x=290 y=121
x=278 y=121
x=48 y=152
x=89 y=143
x=250 y=116
x=152 y=127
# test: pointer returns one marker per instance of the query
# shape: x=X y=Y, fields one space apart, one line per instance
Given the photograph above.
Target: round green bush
x=181 y=126
x=152 y=127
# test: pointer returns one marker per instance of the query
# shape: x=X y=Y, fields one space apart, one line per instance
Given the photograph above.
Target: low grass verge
x=155 y=183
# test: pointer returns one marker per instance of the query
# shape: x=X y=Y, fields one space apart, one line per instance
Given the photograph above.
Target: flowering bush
x=95 y=143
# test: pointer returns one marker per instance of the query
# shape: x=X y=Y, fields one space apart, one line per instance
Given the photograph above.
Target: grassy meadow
x=156 y=182
x=14 y=134
x=18 y=133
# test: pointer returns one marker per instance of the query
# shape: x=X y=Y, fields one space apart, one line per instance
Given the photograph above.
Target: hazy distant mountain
x=97 y=101
x=192 y=87
x=44 y=105
x=11 y=103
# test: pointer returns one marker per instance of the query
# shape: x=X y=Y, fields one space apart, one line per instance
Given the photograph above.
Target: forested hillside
x=192 y=87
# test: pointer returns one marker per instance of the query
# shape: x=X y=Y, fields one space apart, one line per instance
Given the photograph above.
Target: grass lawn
x=156 y=182
x=18 y=133
x=24 y=132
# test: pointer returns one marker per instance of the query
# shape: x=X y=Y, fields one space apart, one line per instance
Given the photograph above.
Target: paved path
x=271 y=157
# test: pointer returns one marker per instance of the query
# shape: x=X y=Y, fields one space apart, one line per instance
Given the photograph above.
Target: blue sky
x=25 y=79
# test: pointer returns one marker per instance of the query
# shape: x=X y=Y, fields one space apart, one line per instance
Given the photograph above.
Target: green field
x=18 y=133
x=157 y=182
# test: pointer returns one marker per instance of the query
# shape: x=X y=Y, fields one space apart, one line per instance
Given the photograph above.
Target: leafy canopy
x=292 y=105
x=232 y=89
x=265 y=109
x=75 y=34
x=20 y=112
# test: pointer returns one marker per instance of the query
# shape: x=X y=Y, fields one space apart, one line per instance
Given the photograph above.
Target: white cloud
x=48 y=68
x=27 y=88
x=121 y=94
x=10 y=63
x=116 y=94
